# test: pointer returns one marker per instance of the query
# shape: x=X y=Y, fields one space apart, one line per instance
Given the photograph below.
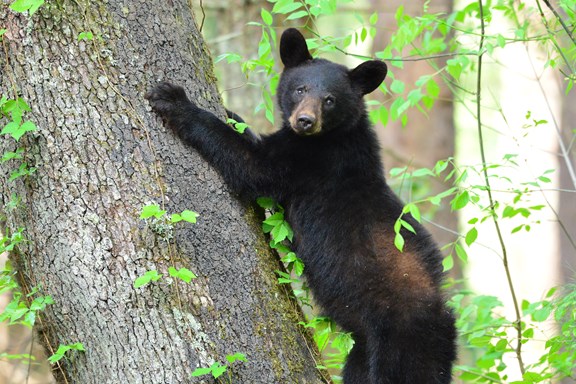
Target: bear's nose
x=306 y=122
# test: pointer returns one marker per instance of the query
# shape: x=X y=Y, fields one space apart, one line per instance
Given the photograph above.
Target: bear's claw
x=164 y=97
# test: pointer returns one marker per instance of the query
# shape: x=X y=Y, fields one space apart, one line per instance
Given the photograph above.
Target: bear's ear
x=293 y=48
x=368 y=75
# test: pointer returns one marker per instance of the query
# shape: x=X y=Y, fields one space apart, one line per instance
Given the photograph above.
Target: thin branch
x=203 y=16
x=562 y=23
x=518 y=322
x=552 y=37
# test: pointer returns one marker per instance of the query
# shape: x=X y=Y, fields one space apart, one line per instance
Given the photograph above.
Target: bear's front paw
x=166 y=99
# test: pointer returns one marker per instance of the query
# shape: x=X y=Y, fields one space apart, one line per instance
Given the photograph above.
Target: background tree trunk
x=426 y=139
x=100 y=156
x=567 y=208
x=225 y=30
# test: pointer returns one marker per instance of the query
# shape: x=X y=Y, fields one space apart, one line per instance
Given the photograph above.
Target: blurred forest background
x=529 y=128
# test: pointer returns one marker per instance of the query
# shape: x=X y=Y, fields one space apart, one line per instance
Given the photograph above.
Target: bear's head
x=317 y=96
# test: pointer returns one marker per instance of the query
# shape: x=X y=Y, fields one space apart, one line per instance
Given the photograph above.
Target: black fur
x=324 y=167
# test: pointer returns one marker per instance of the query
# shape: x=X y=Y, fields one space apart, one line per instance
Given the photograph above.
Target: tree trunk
x=567 y=208
x=100 y=156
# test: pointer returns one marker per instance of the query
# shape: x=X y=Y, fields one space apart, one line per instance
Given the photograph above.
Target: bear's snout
x=305 y=122
x=306 y=119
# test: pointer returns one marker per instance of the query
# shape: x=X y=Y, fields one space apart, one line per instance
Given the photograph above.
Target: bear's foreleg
x=235 y=156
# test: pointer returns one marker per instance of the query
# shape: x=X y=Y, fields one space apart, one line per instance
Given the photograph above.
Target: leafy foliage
x=62 y=349
x=218 y=369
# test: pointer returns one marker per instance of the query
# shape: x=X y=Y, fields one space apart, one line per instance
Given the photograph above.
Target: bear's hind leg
x=416 y=348
x=356 y=368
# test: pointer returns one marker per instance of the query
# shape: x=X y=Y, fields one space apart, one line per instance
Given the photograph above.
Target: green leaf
x=149 y=276
x=297 y=15
x=189 y=216
x=448 y=263
x=284 y=7
x=280 y=232
x=532 y=377
x=236 y=357
x=85 y=36
x=142 y=280
x=201 y=372
x=529 y=333
x=28 y=126
x=266 y=202
x=26 y=5
x=461 y=252
x=460 y=201
x=501 y=345
x=413 y=210
x=399 y=241
x=397 y=86
x=275 y=219
x=62 y=349
x=266 y=17
x=298 y=267
x=421 y=172
x=12 y=155
x=152 y=210
x=407 y=225
x=471 y=236
x=183 y=274
x=500 y=41
x=544 y=179
x=218 y=369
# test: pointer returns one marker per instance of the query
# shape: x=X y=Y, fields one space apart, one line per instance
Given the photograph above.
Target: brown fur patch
x=309 y=106
x=404 y=270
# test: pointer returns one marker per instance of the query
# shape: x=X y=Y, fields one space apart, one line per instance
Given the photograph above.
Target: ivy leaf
x=236 y=357
x=265 y=202
x=149 y=276
x=85 y=36
x=201 y=372
x=298 y=267
x=280 y=232
x=183 y=274
x=189 y=216
x=218 y=369
x=152 y=210
x=275 y=219
x=27 y=5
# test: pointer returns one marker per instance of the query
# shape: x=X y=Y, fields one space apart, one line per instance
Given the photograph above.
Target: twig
x=203 y=16
x=518 y=322
x=562 y=23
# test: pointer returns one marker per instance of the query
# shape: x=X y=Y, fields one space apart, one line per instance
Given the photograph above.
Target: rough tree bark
x=100 y=156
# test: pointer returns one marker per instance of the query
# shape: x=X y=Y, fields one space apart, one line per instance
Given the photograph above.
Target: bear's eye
x=329 y=100
x=300 y=90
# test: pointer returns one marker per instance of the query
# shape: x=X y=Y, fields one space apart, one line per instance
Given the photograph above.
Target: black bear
x=323 y=166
